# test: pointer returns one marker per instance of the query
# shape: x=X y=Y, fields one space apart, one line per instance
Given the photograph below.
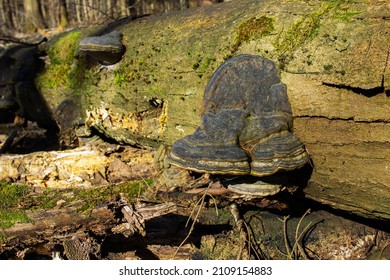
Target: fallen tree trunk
x=333 y=56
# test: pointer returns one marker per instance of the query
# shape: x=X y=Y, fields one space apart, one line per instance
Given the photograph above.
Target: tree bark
x=63 y=14
x=33 y=14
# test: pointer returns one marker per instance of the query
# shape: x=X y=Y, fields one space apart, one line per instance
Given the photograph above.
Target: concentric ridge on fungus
x=246 y=124
x=213 y=148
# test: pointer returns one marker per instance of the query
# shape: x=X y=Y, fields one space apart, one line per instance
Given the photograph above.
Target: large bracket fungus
x=246 y=126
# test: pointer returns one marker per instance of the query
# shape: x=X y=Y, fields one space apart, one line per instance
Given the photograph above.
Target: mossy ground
x=15 y=199
x=10 y=195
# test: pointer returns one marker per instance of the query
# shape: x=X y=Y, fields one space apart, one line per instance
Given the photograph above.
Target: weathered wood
x=86 y=166
x=55 y=226
x=76 y=231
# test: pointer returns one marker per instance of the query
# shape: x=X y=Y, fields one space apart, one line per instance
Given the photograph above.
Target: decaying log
x=333 y=57
x=76 y=232
x=90 y=165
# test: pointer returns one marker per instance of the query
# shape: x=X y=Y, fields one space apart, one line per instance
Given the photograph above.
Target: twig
x=383 y=249
x=299 y=243
x=372 y=244
x=285 y=237
x=215 y=203
x=239 y=222
x=314 y=254
x=199 y=203
x=282 y=253
x=246 y=235
x=298 y=249
x=260 y=255
x=298 y=236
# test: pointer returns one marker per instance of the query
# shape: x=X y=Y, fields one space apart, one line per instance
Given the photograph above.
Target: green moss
x=301 y=32
x=340 y=9
x=90 y=198
x=59 y=72
x=253 y=28
x=8 y=218
x=97 y=196
x=119 y=78
x=348 y=15
x=203 y=66
x=201 y=63
x=10 y=196
x=64 y=49
x=307 y=28
x=48 y=199
x=124 y=75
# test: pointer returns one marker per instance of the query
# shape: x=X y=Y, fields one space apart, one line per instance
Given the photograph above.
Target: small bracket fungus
x=107 y=49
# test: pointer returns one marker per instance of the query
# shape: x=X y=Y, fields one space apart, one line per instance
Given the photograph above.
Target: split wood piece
x=149 y=212
x=135 y=221
x=137 y=215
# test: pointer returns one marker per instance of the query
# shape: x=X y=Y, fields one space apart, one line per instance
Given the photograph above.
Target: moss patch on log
x=66 y=74
x=302 y=31
x=251 y=29
x=307 y=27
x=59 y=70
x=10 y=214
x=15 y=200
x=89 y=198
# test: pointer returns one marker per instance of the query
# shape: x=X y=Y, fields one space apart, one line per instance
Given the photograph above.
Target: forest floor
x=149 y=216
